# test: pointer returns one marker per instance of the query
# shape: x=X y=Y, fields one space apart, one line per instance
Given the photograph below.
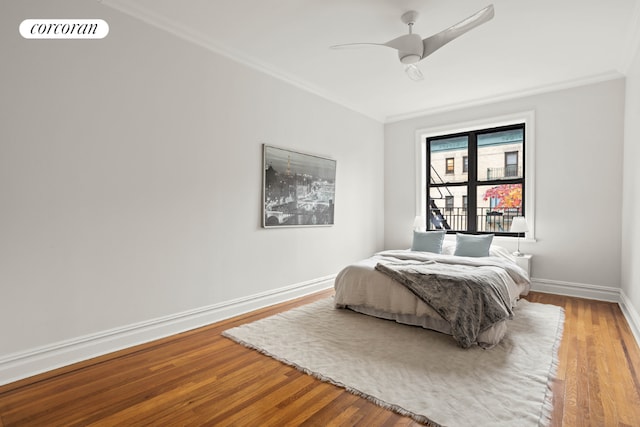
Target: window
x=448 y=203
x=491 y=192
x=450 y=166
x=511 y=163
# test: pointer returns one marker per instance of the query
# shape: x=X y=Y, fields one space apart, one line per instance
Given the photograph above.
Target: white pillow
x=448 y=248
x=500 y=252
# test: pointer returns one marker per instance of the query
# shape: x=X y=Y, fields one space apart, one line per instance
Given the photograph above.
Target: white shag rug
x=417 y=372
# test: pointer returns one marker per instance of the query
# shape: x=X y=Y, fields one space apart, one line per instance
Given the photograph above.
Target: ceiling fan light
x=414 y=73
x=410 y=58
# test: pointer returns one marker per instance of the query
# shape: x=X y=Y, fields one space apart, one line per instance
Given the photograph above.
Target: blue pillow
x=428 y=241
x=475 y=246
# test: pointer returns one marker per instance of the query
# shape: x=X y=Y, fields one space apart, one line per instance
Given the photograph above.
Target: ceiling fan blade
x=411 y=43
x=355 y=45
x=436 y=41
x=414 y=72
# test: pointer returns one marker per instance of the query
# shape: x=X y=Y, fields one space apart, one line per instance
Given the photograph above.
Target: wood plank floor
x=201 y=378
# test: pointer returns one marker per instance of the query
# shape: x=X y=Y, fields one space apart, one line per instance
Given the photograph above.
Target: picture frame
x=298 y=189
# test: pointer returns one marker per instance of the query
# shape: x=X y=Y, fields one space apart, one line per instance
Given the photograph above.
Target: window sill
x=499 y=239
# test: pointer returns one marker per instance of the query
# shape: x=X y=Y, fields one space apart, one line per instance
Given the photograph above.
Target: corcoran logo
x=64 y=29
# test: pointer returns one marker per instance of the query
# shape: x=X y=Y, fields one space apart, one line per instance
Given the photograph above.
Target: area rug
x=417 y=372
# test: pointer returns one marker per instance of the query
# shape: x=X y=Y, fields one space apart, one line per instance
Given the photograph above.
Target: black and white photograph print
x=298 y=189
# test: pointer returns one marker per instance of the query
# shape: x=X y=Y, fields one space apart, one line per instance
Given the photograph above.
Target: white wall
x=631 y=193
x=130 y=179
x=579 y=139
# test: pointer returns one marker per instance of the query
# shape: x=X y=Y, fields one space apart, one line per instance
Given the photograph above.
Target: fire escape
x=438 y=220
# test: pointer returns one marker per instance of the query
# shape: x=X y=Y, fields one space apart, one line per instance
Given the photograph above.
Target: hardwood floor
x=202 y=378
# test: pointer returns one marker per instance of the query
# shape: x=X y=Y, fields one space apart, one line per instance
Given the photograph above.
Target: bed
x=365 y=288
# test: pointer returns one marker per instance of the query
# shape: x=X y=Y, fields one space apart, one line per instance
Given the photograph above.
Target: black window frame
x=472 y=182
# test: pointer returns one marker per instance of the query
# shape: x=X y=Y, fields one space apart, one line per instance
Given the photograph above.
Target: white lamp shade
x=519 y=225
x=418 y=223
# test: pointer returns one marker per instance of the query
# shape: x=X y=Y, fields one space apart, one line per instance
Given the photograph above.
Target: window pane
x=447 y=164
x=497 y=205
x=448 y=202
x=500 y=155
x=447 y=208
x=511 y=164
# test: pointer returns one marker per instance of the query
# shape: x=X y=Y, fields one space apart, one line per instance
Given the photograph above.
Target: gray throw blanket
x=470 y=298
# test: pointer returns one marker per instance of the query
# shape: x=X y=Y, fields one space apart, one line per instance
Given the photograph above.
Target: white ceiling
x=530 y=46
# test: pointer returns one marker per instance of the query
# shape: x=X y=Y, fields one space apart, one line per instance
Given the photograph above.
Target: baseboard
x=632 y=316
x=580 y=290
x=22 y=365
x=17 y=366
x=600 y=293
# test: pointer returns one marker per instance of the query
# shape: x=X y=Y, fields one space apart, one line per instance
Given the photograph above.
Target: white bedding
x=363 y=289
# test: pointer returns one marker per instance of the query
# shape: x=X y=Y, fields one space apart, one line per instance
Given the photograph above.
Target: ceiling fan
x=412 y=48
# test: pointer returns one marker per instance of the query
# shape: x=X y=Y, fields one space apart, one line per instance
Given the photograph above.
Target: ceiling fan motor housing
x=408 y=57
x=409 y=46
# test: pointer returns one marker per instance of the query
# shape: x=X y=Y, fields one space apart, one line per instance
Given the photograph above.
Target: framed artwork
x=298 y=189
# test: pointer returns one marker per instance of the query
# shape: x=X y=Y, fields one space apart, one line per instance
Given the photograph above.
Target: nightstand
x=524 y=262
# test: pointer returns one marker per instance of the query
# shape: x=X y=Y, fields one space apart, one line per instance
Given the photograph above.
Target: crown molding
x=583 y=81
x=200 y=39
